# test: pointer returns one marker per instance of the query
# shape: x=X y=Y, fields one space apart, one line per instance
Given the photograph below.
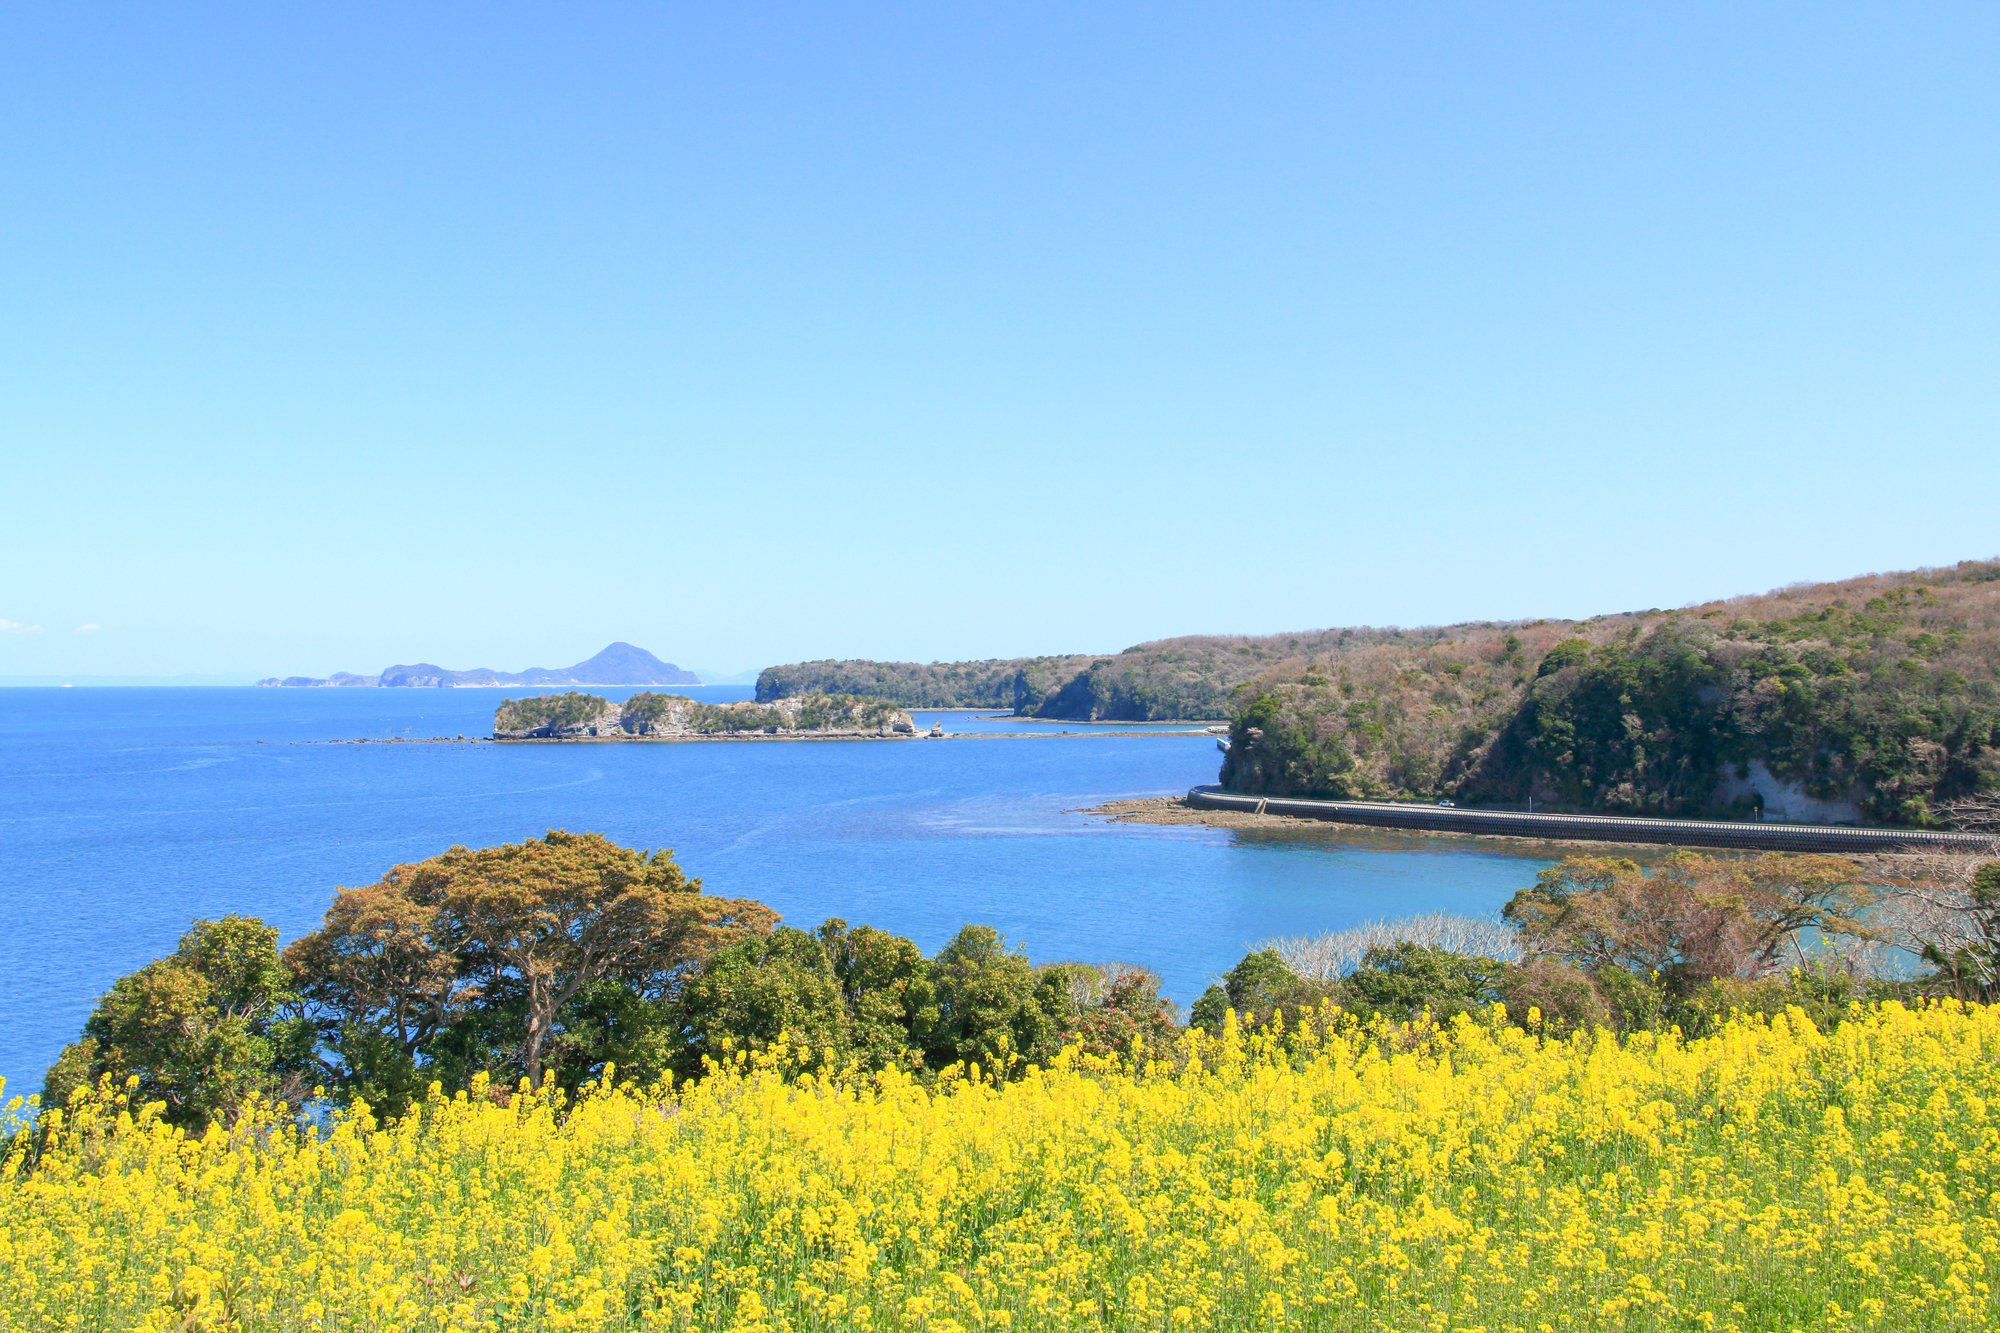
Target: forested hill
x=1873 y=698
x=1172 y=679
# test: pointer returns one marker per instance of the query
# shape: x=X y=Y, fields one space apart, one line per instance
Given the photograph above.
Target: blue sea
x=127 y=812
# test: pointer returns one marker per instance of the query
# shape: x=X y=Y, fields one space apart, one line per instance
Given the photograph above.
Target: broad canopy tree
x=520 y=930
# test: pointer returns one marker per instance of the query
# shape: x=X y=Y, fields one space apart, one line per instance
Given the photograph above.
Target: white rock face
x=1786 y=800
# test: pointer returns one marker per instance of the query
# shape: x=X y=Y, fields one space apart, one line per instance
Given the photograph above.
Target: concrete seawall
x=1602 y=828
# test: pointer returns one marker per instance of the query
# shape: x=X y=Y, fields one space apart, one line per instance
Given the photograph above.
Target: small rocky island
x=665 y=717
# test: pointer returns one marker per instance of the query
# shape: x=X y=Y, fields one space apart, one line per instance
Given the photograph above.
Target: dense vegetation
x=992 y=684
x=1170 y=680
x=1599 y=942
x=649 y=712
x=810 y=712
x=558 y=957
x=548 y=710
x=563 y=955
x=1883 y=691
x=1647 y=1121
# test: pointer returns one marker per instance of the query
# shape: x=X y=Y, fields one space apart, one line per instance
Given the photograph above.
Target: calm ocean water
x=124 y=813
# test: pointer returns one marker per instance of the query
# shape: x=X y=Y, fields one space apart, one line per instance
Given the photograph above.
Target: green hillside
x=1875 y=696
x=1167 y=680
x=1881 y=691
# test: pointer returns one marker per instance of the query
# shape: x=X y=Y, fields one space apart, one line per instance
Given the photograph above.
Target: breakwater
x=1835 y=838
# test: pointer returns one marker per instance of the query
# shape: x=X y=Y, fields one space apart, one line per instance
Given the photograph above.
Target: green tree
x=757 y=991
x=885 y=984
x=1256 y=988
x=383 y=984
x=204 y=1030
x=1401 y=981
x=986 y=1004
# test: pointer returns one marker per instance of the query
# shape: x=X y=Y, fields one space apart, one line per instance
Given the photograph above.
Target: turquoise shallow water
x=124 y=813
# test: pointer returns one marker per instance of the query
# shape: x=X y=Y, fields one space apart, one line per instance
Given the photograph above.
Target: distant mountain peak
x=619 y=664
x=622 y=659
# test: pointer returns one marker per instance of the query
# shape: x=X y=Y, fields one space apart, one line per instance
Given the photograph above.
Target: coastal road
x=1837 y=838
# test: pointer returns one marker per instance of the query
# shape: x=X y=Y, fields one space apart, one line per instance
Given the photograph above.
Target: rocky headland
x=649 y=716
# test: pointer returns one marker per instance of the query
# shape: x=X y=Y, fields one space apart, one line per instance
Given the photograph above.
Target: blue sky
x=484 y=335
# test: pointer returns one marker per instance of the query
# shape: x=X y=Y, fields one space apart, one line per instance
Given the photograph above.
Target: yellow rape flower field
x=1473 y=1178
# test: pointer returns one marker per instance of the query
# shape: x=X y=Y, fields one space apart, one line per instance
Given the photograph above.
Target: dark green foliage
x=701 y=718
x=759 y=990
x=874 y=1001
x=1257 y=988
x=1015 y=684
x=1568 y=653
x=885 y=984
x=614 y=1024
x=1883 y=691
x=1624 y=728
x=1259 y=983
x=1209 y=1010
x=988 y=1011
x=1406 y=980
x=647 y=706
x=647 y=711
x=1172 y=679
x=822 y=711
x=204 y=1030
x=1277 y=750
x=548 y=710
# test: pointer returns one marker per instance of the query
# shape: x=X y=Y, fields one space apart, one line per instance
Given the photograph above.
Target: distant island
x=649 y=716
x=620 y=664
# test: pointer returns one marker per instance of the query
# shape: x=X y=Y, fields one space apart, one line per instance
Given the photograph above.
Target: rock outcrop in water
x=649 y=716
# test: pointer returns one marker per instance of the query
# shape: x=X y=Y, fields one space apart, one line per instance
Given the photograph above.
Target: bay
x=127 y=812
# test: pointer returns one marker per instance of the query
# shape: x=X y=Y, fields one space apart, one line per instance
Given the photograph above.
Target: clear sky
x=337 y=336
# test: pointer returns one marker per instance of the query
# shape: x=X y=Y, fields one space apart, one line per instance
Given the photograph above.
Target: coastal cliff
x=649 y=716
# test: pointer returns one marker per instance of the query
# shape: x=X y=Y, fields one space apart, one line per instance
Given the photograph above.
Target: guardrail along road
x=1600 y=828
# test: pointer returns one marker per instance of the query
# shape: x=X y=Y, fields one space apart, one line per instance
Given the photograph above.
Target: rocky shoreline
x=1175 y=810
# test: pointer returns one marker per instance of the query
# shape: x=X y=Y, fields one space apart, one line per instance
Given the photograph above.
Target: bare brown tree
x=1978 y=813
x=1696 y=918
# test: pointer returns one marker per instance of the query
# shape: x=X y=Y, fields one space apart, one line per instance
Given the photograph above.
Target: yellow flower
x=1315 y=1174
